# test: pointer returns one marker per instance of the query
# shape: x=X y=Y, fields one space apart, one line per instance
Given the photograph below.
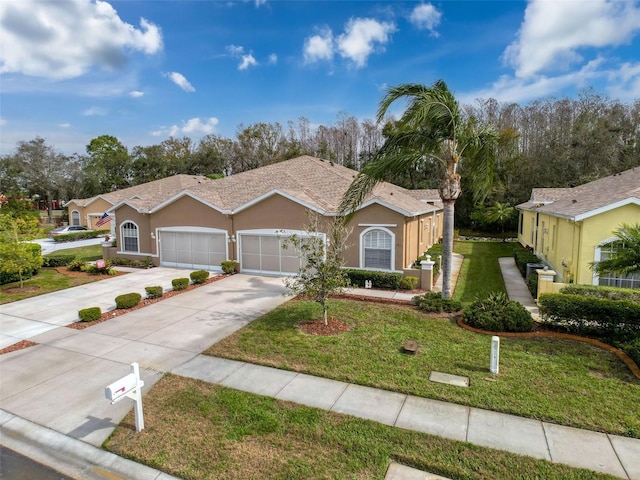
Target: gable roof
x=157 y=189
x=586 y=200
x=312 y=182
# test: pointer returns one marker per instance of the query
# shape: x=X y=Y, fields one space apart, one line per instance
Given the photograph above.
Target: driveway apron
x=60 y=382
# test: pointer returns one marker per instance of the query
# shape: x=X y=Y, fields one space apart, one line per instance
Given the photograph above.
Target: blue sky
x=72 y=70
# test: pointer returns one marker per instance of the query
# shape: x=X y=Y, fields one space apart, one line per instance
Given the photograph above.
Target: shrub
x=69 y=237
x=388 y=280
x=612 y=293
x=123 y=262
x=532 y=284
x=632 y=348
x=613 y=320
x=90 y=314
x=180 y=283
x=31 y=263
x=199 y=276
x=76 y=265
x=496 y=313
x=57 y=261
x=523 y=256
x=128 y=300
x=154 y=292
x=99 y=268
x=433 y=302
x=229 y=266
x=409 y=283
x=434 y=258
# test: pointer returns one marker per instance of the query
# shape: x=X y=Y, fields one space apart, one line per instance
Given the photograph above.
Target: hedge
x=180 y=283
x=128 y=300
x=199 y=276
x=409 y=283
x=70 y=237
x=522 y=257
x=57 y=261
x=378 y=279
x=154 y=292
x=90 y=314
x=612 y=293
x=587 y=315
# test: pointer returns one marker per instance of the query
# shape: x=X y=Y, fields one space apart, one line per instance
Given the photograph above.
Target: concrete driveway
x=60 y=382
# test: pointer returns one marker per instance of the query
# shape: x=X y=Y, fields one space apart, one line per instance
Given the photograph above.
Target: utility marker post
x=131 y=387
x=495 y=354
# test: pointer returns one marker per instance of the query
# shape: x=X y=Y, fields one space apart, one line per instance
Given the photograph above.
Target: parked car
x=68 y=229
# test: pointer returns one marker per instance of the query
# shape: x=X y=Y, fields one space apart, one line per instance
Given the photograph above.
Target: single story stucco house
x=194 y=222
x=568 y=228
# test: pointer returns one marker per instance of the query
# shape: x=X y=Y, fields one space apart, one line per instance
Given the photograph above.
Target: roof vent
x=574 y=201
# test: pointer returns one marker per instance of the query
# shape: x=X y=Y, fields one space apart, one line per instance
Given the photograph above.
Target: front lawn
x=558 y=381
x=88 y=253
x=196 y=431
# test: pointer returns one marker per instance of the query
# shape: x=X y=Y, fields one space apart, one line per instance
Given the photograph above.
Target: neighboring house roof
x=157 y=189
x=586 y=200
x=310 y=181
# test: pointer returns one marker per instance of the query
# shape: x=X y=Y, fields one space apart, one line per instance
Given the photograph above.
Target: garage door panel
x=270 y=246
x=265 y=253
x=198 y=250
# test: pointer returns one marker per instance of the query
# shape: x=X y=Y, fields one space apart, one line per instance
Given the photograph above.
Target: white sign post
x=131 y=387
x=495 y=354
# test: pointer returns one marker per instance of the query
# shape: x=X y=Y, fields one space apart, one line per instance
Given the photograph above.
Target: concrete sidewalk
x=516 y=287
x=619 y=456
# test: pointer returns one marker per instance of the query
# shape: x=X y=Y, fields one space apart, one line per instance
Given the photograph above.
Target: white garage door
x=196 y=250
x=262 y=253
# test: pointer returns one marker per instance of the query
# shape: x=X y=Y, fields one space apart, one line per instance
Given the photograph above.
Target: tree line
x=549 y=142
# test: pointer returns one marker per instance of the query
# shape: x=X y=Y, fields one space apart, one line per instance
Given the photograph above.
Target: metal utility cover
x=449 y=379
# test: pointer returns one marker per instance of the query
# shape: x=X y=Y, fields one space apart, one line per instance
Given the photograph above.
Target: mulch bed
x=317 y=327
x=113 y=313
x=143 y=303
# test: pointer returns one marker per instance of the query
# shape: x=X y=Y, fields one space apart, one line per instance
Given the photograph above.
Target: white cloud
x=426 y=17
x=62 y=40
x=247 y=61
x=193 y=126
x=64 y=125
x=553 y=32
x=362 y=37
x=136 y=94
x=235 y=50
x=95 y=112
x=319 y=47
x=624 y=82
x=181 y=81
x=2 y=122
x=273 y=59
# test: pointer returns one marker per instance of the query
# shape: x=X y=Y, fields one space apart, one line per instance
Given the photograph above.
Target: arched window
x=377 y=249
x=75 y=217
x=130 y=237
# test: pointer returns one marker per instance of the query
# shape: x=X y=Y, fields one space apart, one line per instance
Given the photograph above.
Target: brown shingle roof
x=585 y=200
x=317 y=183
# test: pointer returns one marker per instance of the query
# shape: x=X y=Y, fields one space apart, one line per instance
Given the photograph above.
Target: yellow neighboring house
x=568 y=227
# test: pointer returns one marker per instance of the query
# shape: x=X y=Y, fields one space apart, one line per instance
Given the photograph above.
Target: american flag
x=103 y=219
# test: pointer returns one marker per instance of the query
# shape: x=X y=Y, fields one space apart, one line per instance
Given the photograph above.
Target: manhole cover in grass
x=449 y=379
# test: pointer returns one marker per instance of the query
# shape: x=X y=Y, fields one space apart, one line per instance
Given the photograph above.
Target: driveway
x=60 y=382
x=49 y=246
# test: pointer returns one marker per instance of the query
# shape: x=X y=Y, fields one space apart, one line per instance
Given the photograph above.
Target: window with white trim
x=609 y=279
x=130 y=237
x=377 y=245
x=75 y=217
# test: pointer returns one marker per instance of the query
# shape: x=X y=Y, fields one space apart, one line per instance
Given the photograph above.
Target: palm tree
x=431 y=129
x=625 y=252
x=500 y=213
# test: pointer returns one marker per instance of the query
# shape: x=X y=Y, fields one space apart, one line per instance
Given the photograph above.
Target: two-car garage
x=259 y=251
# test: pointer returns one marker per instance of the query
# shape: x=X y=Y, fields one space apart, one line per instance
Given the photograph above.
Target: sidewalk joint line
x=617 y=456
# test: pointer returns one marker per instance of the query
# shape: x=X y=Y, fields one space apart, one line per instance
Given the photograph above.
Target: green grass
x=552 y=380
x=46 y=281
x=86 y=254
x=480 y=273
x=195 y=430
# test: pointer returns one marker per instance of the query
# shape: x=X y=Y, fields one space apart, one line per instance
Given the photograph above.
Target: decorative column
x=426 y=275
x=545 y=281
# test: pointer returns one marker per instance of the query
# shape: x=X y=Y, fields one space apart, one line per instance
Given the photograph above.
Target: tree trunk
x=449 y=192
x=324 y=315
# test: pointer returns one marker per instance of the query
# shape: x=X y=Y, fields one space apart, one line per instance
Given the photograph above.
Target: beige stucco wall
x=90 y=214
x=142 y=220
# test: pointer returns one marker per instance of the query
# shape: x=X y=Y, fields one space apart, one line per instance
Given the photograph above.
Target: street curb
x=70 y=456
